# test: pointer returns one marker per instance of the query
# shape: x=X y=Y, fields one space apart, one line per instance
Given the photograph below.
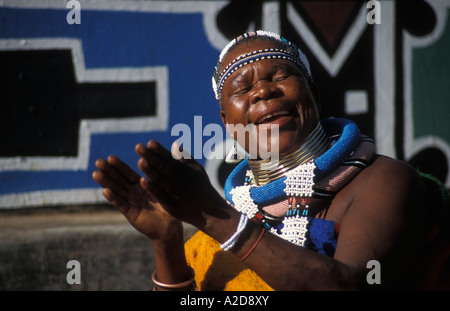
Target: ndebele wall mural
x=84 y=79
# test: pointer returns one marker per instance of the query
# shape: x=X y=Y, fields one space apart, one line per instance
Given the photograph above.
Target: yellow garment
x=216 y=270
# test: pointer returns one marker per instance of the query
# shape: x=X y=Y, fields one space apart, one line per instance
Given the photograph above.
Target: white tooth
x=266 y=117
x=284 y=112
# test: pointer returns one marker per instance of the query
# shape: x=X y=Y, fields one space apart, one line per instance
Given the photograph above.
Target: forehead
x=247 y=47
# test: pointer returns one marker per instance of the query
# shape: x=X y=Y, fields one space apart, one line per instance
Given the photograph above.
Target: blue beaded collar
x=325 y=164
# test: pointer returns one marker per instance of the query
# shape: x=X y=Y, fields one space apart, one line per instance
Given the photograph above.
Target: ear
x=223 y=115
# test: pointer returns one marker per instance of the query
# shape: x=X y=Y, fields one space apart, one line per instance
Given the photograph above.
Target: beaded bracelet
x=177 y=285
x=227 y=245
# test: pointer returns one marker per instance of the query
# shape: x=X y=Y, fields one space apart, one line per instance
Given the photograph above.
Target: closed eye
x=242 y=90
x=280 y=78
x=283 y=72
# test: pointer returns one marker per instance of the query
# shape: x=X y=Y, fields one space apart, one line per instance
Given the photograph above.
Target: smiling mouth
x=271 y=117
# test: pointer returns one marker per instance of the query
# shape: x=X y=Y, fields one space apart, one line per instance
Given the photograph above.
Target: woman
x=313 y=220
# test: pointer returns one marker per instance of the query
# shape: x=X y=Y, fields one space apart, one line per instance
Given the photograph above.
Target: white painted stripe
x=410 y=42
x=384 y=79
x=160 y=121
x=332 y=64
x=52 y=198
x=208 y=9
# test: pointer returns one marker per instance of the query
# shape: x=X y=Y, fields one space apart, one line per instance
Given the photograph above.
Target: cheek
x=306 y=105
x=235 y=111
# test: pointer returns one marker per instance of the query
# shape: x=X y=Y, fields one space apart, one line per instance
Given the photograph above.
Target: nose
x=263 y=90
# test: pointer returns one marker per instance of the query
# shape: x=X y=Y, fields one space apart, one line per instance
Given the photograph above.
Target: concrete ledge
x=35 y=247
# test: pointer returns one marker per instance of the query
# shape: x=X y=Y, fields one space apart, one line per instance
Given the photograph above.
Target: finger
x=159 y=149
x=115 y=200
x=156 y=162
x=187 y=161
x=166 y=155
x=105 y=181
x=176 y=158
x=183 y=156
x=179 y=154
x=172 y=180
x=124 y=169
x=155 y=176
x=163 y=197
x=112 y=173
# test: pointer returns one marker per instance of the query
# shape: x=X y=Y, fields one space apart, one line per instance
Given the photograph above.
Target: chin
x=288 y=144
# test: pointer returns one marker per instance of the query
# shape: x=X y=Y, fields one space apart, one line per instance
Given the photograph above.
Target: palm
x=181 y=185
x=122 y=188
x=145 y=214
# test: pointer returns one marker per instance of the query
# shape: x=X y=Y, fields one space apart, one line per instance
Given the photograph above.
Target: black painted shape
x=42 y=104
x=431 y=161
x=235 y=18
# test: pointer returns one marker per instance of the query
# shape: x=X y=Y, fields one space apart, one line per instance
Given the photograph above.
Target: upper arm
x=384 y=221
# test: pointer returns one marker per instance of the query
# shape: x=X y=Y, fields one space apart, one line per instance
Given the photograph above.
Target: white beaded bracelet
x=227 y=245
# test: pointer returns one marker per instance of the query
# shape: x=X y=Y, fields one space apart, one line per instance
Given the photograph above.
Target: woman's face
x=269 y=92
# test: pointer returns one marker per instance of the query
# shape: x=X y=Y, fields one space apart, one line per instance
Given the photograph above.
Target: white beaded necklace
x=299 y=183
x=296 y=186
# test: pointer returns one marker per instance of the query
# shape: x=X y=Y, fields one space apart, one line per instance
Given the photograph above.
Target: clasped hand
x=174 y=191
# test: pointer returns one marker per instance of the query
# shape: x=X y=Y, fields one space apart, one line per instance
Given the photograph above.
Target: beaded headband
x=291 y=53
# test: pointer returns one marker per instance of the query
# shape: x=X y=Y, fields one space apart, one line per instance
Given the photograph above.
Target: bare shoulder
x=391 y=172
x=385 y=183
x=386 y=187
x=384 y=162
x=384 y=217
x=390 y=184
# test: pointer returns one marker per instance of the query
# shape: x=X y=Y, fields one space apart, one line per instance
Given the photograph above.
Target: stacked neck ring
x=265 y=171
x=324 y=164
x=297 y=186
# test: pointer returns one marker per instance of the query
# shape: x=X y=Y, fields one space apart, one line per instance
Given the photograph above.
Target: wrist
x=187 y=284
x=245 y=239
x=223 y=224
x=170 y=260
x=172 y=234
x=232 y=241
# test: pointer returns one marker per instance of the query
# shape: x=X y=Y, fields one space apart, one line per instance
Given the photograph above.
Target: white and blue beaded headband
x=291 y=53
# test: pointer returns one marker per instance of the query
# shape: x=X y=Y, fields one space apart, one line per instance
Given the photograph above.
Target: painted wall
x=131 y=71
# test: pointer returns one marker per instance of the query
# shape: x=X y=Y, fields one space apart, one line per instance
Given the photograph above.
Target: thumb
x=178 y=152
x=183 y=156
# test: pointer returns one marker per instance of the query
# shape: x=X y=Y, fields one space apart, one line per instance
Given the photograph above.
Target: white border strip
x=332 y=64
x=52 y=197
x=384 y=75
x=209 y=10
x=93 y=126
x=415 y=145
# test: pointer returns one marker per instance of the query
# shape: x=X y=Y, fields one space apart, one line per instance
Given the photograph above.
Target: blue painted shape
x=114 y=39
